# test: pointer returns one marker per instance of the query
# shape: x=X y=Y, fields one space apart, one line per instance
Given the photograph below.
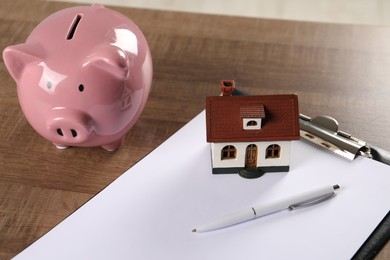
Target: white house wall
x=239 y=161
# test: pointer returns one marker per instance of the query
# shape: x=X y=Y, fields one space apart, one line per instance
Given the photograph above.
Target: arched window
x=251 y=123
x=273 y=151
x=228 y=152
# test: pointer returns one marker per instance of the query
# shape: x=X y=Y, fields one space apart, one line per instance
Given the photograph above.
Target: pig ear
x=17 y=57
x=110 y=60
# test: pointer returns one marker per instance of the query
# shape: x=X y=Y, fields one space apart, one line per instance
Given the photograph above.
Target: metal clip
x=324 y=132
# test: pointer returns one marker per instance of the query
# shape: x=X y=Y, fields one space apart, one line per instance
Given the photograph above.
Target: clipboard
x=149 y=211
x=376 y=241
x=324 y=132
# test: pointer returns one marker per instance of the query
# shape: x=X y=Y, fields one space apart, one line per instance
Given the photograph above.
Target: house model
x=251 y=135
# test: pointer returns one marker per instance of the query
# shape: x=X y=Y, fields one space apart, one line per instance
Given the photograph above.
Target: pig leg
x=114 y=145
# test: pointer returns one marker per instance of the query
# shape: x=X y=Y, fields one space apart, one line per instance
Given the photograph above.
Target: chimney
x=227 y=87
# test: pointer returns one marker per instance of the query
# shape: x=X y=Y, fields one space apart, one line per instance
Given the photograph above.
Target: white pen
x=304 y=199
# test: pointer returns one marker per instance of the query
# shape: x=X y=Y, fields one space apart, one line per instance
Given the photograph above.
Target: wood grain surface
x=338 y=70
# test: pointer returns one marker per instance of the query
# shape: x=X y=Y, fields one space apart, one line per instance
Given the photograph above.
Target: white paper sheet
x=150 y=211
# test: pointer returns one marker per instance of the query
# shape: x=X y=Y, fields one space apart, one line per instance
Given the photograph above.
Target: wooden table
x=339 y=70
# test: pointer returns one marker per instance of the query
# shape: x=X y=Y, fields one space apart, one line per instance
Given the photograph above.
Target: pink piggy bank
x=83 y=76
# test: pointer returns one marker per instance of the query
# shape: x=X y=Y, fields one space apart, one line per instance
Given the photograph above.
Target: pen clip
x=312 y=202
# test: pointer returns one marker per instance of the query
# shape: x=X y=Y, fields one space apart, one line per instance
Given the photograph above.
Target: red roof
x=252 y=111
x=224 y=119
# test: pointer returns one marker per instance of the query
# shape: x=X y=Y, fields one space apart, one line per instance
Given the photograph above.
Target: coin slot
x=73 y=27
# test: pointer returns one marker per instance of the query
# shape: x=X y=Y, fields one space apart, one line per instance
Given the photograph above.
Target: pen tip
x=194 y=230
x=335 y=187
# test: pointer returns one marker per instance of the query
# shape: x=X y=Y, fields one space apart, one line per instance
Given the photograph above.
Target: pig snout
x=69 y=126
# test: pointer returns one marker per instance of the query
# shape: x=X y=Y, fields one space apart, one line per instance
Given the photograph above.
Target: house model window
x=273 y=151
x=251 y=116
x=228 y=152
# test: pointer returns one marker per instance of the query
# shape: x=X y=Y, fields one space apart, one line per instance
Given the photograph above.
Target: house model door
x=251 y=156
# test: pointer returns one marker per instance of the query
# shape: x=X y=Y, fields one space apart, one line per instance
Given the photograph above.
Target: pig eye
x=81 y=87
x=48 y=85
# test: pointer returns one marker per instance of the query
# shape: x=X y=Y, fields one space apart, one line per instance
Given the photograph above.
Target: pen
x=304 y=199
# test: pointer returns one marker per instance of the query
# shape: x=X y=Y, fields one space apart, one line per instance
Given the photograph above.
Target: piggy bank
x=83 y=76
